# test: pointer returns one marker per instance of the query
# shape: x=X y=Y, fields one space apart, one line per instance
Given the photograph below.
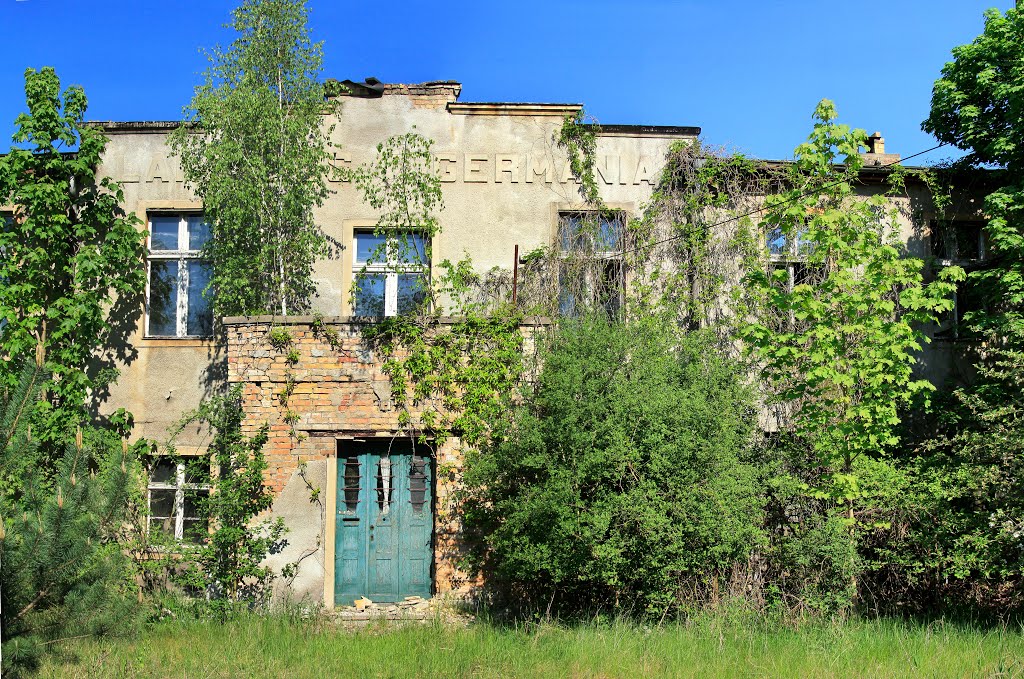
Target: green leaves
x=256 y=151
x=838 y=347
x=619 y=479
x=70 y=250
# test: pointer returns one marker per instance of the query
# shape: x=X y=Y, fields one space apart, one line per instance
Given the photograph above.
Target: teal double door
x=383 y=541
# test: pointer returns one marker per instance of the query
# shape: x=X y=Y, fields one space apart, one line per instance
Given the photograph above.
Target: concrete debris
x=411 y=608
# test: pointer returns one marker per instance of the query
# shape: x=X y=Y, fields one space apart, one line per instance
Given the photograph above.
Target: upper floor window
x=175 y=494
x=177 y=277
x=788 y=251
x=391 y=272
x=591 y=273
x=958 y=241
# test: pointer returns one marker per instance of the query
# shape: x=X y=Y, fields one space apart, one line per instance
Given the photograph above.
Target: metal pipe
x=515 y=275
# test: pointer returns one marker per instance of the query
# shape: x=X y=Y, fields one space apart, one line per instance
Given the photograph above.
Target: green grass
x=279 y=647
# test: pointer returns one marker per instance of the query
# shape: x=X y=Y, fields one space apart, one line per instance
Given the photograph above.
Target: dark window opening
x=958 y=241
x=418 y=483
x=352 y=479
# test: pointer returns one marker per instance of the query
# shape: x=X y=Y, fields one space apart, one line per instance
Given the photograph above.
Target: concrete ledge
x=484 y=108
x=530 y=321
x=671 y=131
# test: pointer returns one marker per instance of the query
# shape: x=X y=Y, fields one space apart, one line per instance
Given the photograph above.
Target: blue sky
x=748 y=72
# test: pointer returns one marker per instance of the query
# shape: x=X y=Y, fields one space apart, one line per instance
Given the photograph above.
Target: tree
x=837 y=329
x=227 y=565
x=62 y=570
x=255 y=151
x=977 y=106
x=621 y=478
x=960 y=523
x=69 y=250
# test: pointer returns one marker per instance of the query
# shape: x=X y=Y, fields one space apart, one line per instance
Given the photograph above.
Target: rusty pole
x=515 y=275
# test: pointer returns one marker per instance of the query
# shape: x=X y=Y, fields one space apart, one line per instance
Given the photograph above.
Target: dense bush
x=955 y=536
x=620 y=479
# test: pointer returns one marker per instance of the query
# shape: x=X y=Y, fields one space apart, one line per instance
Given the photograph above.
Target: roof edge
x=501 y=108
x=647 y=130
x=114 y=126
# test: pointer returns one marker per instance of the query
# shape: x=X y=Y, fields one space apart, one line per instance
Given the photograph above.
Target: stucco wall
x=503 y=183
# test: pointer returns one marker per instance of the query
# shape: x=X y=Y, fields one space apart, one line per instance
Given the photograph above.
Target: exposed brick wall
x=338 y=392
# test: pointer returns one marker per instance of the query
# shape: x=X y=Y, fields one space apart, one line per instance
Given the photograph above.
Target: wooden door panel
x=384 y=547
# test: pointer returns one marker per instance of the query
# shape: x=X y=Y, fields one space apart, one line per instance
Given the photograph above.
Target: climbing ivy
x=579 y=141
x=447 y=377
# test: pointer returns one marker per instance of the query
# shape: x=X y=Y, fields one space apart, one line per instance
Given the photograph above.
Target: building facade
x=368 y=511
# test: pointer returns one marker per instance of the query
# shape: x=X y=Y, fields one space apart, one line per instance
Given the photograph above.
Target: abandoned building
x=378 y=529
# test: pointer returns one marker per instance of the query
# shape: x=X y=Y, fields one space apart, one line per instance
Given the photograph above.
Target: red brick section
x=338 y=392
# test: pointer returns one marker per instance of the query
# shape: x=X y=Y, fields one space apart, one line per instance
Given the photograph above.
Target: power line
x=791 y=200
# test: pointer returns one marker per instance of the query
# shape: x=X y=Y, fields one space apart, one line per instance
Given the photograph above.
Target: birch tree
x=255 y=149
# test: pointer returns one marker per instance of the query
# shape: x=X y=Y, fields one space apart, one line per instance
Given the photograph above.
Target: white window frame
x=791 y=257
x=391 y=269
x=182 y=256
x=179 y=487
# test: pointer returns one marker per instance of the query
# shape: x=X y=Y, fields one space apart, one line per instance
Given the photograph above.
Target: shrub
x=620 y=479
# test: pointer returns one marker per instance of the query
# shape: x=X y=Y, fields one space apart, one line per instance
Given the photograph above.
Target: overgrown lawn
x=278 y=647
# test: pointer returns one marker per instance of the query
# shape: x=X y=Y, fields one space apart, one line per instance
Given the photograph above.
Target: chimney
x=876 y=155
x=876 y=144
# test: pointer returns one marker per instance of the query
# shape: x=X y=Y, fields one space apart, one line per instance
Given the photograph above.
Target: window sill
x=194 y=341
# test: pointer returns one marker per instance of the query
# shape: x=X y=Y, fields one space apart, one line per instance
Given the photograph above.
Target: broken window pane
x=776 y=241
x=384 y=485
x=591 y=273
x=352 y=479
x=176 y=500
x=163 y=470
x=418 y=483
x=161 y=503
x=193 y=515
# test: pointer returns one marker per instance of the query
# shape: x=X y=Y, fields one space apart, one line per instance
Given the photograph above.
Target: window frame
x=614 y=257
x=182 y=256
x=180 y=488
x=950 y=327
x=391 y=268
x=793 y=256
x=940 y=230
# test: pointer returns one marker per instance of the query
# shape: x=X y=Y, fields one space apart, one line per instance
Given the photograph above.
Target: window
x=175 y=493
x=591 y=273
x=788 y=252
x=391 y=272
x=176 y=305
x=962 y=242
